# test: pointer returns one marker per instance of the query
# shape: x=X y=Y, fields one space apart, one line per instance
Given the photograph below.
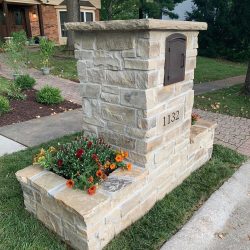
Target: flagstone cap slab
x=137 y=24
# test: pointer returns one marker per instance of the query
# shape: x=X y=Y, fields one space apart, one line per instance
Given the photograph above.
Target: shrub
x=25 y=82
x=15 y=51
x=4 y=105
x=15 y=92
x=85 y=162
x=47 y=49
x=49 y=95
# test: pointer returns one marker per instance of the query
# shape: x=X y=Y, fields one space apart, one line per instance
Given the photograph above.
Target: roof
x=90 y=3
x=82 y=3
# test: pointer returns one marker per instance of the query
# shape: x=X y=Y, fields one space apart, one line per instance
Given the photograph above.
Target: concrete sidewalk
x=34 y=132
x=223 y=222
x=205 y=87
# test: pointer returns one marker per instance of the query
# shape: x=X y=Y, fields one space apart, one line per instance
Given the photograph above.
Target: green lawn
x=61 y=66
x=231 y=101
x=4 y=85
x=209 y=69
x=20 y=230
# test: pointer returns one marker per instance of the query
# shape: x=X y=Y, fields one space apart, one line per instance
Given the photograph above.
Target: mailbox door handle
x=182 y=60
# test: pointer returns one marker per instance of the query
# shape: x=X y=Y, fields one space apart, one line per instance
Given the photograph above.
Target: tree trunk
x=247 y=82
x=73 y=15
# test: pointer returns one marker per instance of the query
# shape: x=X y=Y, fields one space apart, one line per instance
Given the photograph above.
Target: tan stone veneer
x=121 y=69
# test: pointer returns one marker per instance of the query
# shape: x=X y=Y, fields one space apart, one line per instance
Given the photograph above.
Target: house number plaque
x=170 y=118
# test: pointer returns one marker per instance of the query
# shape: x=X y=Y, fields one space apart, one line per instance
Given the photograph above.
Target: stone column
x=121 y=70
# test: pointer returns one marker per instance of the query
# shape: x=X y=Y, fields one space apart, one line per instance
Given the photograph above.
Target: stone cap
x=137 y=24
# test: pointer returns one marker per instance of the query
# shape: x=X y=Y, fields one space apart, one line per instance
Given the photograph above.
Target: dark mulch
x=24 y=110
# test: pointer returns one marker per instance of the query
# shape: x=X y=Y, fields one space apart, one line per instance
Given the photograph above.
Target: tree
x=216 y=14
x=240 y=17
x=228 y=33
x=134 y=9
x=118 y=9
x=73 y=15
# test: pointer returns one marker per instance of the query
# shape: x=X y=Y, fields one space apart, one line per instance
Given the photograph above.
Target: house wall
x=50 y=22
x=34 y=22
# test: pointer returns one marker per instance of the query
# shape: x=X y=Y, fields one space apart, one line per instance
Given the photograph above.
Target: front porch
x=15 y=16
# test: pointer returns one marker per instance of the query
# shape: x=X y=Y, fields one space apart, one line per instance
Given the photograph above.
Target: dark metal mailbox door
x=175 y=59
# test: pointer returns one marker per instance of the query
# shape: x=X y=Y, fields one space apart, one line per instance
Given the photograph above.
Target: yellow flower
x=42 y=152
x=52 y=150
x=41 y=158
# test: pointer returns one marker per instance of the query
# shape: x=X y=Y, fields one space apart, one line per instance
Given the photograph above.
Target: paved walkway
x=232 y=132
x=34 y=132
x=223 y=222
x=216 y=85
x=8 y=146
x=70 y=90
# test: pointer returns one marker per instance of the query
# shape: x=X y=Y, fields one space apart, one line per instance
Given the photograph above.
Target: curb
x=199 y=232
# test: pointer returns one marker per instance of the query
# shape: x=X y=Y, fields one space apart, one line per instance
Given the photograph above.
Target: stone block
x=117 y=127
x=84 y=54
x=147 y=79
x=143 y=99
x=24 y=174
x=50 y=220
x=96 y=76
x=120 y=114
x=109 y=41
x=140 y=64
x=125 y=78
x=110 y=89
x=89 y=42
x=107 y=60
x=90 y=90
x=129 y=53
x=110 y=98
x=47 y=181
x=118 y=140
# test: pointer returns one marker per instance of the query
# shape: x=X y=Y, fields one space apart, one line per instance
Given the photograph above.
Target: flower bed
x=84 y=162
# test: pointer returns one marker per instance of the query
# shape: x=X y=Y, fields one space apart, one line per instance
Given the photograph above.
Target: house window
x=63 y=18
x=86 y=16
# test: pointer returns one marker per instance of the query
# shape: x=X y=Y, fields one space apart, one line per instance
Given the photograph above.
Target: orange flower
x=119 y=158
x=92 y=190
x=99 y=173
x=129 y=166
x=104 y=176
x=90 y=179
x=70 y=183
x=125 y=154
x=113 y=166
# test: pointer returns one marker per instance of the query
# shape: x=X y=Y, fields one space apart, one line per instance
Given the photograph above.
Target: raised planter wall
x=121 y=68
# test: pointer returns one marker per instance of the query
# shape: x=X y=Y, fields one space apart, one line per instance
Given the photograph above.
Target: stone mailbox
x=136 y=84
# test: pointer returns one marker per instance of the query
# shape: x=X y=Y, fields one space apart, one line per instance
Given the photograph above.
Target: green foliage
x=15 y=92
x=228 y=33
x=230 y=101
x=134 y=9
x=19 y=38
x=85 y=162
x=4 y=105
x=49 y=95
x=25 y=82
x=15 y=52
x=47 y=49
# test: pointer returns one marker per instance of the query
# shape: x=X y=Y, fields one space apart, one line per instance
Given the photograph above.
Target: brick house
x=42 y=17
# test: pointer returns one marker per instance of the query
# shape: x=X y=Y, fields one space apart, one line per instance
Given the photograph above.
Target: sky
x=182 y=8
